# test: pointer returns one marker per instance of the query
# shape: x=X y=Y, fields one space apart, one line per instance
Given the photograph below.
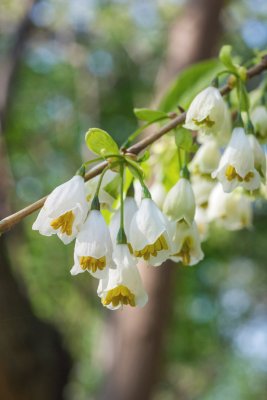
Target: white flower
x=149 y=233
x=202 y=188
x=231 y=210
x=208 y=113
x=180 y=202
x=206 y=159
x=93 y=247
x=259 y=120
x=123 y=286
x=106 y=200
x=158 y=193
x=130 y=208
x=202 y=222
x=64 y=211
x=259 y=156
x=186 y=244
x=236 y=167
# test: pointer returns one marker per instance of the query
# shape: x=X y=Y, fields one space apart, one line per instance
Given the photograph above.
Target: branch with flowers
x=157 y=226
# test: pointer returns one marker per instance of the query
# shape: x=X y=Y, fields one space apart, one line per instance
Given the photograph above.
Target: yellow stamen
x=119 y=295
x=204 y=122
x=231 y=174
x=92 y=264
x=184 y=253
x=64 y=222
x=152 y=249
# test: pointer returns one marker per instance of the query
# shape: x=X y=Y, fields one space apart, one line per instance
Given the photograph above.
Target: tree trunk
x=33 y=363
x=133 y=351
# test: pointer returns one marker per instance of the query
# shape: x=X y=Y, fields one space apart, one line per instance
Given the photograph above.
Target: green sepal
x=238 y=123
x=121 y=237
x=184 y=173
x=95 y=204
x=145 y=114
x=81 y=171
x=100 y=142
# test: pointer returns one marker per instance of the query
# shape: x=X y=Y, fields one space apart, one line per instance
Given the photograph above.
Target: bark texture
x=137 y=335
x=33 y=363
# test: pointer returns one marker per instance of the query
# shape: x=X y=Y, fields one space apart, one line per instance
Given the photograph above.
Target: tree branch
x=13 y=219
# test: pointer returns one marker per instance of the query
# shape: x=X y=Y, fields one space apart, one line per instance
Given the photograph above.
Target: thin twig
x=13 y=219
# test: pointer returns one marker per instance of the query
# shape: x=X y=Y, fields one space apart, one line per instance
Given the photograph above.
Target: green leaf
x=100 y=142
x=243 y=97
x=226 y=58
x=144 y=157
x=189 y=83
x=135 y=168
x=112 y=188
x=183 y=139
x=145 y=114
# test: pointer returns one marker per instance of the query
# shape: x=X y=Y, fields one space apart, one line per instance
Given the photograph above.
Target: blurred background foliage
x=89 y=63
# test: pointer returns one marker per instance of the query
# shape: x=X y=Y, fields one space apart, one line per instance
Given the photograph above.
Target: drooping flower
x=149 y=233
x=259 y=156
x=236 y=167
x=202 y=222
x=259 y=120
x=130 y=208
x=208 y=113
x=123 y=285
x=202 y=188
x=186 y=244
x=93 y=247
x=64 y=211
x=180 y=202
x=232 y=210
x=105 y=198
x=206 y=159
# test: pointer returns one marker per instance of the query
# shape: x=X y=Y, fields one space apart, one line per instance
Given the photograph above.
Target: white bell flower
x=93 y=247
x=232 y=210
x=180 y=203
x=202 y=188
x=236 y=167
x=202 y=222
x=149 y=233
x=208 y=113
x=64 y=211
x=123 y=285
x=206 y=159
x=105 y=198
x=130 y=208
x=186 y=244
x=158 y=193
x=259 y=156
x=259 y=120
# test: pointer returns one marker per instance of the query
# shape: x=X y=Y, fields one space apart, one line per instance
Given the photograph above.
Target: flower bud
x=180 y=202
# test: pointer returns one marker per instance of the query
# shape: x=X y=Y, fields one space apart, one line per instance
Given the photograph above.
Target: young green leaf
x=226 y=58
x=242 y=96
x=145 y=114
x=100 y=142
x=183 y=139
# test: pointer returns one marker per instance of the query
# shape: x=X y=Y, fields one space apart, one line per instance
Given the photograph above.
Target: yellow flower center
x=92 y=264
x=184 y=253
x=231 y=174
x=204 y=122
x=119 y=295
x=152 y=249
x=64 y=223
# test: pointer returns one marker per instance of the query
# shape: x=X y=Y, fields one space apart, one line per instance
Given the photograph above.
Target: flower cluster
x=219 y=183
